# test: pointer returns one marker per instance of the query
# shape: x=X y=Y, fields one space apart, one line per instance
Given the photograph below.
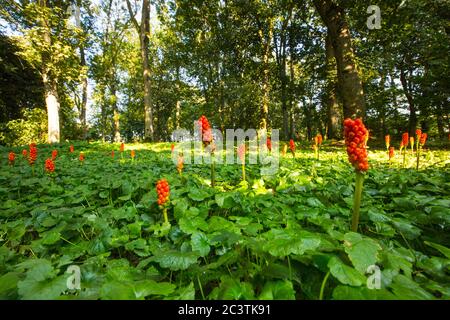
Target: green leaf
x=363 y=252
x=225 y=200
x=445 y=251
x=406 y=289
x=51 y=237
x=40 y=282
x=231 y=289
x=184 y=293
x=344 y=273
x=361 y=293
x=198 y=194
x=8 y=285
x=200 y=243
x=175 y=260
x=192 y=225
x=277 y=290
x=282 y=243
x=115 y=290
x=146 y=288
x=406 y=228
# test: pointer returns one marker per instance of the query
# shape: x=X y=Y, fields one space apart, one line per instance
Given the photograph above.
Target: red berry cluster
x=387 y=140
x=355 y=138
x=112 y=154
x=81 y=156
x=391 y=152
x=205 y=130
x=172 y=147
x=54 y=154
x=71 y=148
x=49 y=166
x=423 y=139
x=418 y=134
x=318 y=139
x=162 y=188
x=269 y=144
x=292 y=145
x=122 y=147
x=33 y=154
x=405 y=139
x=133 y=154
x=11 y=157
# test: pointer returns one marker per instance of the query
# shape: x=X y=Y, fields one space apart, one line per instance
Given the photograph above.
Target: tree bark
x=84 y=94
x=143 y=30
x=332 y=106
x=49 y=81
x=350 y=84
x=116 y=115
x=266 y=50
x=412 y=108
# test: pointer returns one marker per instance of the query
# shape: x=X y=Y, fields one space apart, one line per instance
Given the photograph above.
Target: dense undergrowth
x=281 y=237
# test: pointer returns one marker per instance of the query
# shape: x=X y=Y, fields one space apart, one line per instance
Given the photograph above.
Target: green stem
x=201 y=288
x=418 y=157
x=212 y=172
x=166 y=219
x=243 y=172
x=404 y=157
x=322 y=288
x=290 y=269
x=357 y=200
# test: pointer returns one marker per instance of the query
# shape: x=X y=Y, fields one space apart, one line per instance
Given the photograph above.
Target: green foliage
x=31 y=128
x=274 y=238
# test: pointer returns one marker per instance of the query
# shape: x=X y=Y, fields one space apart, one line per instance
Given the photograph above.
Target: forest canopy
x=137 y=70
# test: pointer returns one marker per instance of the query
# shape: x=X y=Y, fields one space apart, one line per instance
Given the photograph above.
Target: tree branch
x=133 y=19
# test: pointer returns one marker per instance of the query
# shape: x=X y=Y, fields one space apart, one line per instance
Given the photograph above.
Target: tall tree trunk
x=49 y=81
x=332 y=106
x=440 y=121
x=144 y=35
x=84 y=94
x=178 y=104
x=52 y=103
x=143 y=30
x=116 y=115
x=412 y=108
x=103 y=107
x=350 y=84
x=266 y=50
x=291 y=82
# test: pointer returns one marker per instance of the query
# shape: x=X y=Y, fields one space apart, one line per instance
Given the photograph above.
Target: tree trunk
x=266 y=50
x=350 y=84
x=84 y=94
x=440 y=121
x=332 y=106
x=291 y=82
x=50 y=83
x=116 y=116
x=409 y=97
x=144 y=33
x=52 y=103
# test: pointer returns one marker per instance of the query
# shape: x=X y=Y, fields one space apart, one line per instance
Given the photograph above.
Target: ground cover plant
x=283 y=237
